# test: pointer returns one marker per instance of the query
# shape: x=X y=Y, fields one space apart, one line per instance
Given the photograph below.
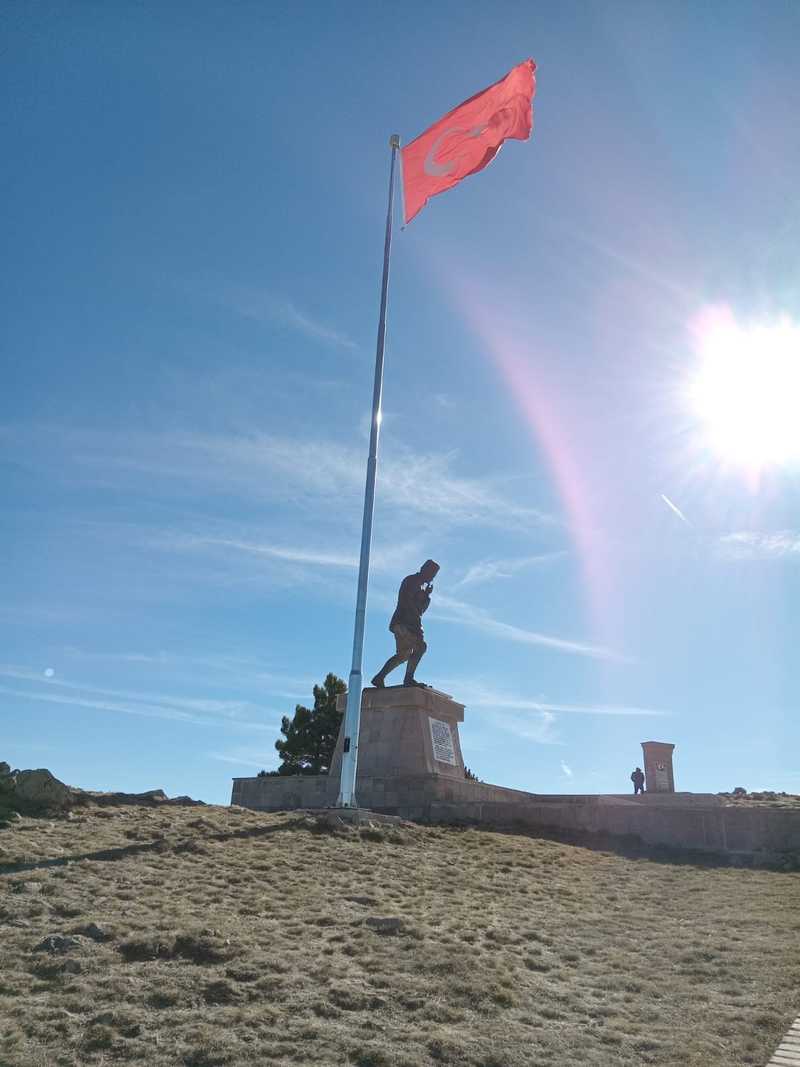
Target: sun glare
x=747 y=388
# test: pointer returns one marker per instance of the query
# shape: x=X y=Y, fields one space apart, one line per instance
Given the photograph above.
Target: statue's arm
x=407 y=597
x=423 y=600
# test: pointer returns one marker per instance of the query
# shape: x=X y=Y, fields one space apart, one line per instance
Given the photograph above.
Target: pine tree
x=310 y=737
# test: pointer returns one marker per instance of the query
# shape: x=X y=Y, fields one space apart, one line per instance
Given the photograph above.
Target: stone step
x=787 y=1053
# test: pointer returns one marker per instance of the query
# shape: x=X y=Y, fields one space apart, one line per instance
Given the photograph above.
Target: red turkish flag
x=468 y=137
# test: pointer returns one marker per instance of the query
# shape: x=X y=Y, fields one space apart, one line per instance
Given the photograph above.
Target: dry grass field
x=206 y=936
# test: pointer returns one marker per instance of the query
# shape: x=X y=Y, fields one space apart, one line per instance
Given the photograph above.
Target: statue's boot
x=378 y=682
x=412 y=682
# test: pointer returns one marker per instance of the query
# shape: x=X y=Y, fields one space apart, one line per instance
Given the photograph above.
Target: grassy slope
x=239 y=938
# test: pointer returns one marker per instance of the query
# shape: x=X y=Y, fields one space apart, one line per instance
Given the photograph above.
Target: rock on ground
x=40 y=789
x=36 y=791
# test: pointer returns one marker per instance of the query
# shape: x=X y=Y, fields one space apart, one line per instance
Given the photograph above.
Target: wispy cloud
x=566 y=769
x=534 y=721
x=245 y=758
x=448 y=609
x=538 y=728
x=148 y=711
x=199 y=712
x=382 y=558
x=216 y=707
x=488 y=570
x=47 y=614
x=748 y=544
x=675 y=509
x=322 y=475
x=286 y=554
x=483 y=695
x=262 y=306
x=210 y=669
x=425 y=483
x=158 y=659
x=313 y=328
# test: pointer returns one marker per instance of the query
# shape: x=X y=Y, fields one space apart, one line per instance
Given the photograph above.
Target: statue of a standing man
x=406 y=625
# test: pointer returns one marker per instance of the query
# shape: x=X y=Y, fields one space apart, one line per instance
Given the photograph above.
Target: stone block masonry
x=658 y=772
x=680 y=821
x=410 y=765
x=405 y=731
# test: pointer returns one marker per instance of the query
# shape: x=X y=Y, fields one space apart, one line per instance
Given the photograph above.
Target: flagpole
x=352 y=717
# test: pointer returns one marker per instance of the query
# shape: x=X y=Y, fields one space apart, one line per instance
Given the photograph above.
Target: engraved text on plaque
x=442 y=738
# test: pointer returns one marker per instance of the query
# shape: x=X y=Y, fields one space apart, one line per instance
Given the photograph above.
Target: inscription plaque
x=442 y=740
x=662 y=778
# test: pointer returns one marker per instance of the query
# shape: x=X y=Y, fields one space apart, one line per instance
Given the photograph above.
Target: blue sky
x=193 y=200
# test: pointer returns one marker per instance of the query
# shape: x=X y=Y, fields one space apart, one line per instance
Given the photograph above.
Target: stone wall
x=278 y=793
x=686 y=821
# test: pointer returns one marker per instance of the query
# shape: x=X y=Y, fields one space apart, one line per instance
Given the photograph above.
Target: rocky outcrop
x=153 y=798
x=40 y=789
x=34 y=792
x=148 y=799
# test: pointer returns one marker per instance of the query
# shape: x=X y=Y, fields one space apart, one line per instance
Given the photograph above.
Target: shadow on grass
x=159 y=845
x=631 y=846
x=628 y=845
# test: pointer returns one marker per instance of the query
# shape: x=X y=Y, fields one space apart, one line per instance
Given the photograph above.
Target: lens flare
x=747 y=388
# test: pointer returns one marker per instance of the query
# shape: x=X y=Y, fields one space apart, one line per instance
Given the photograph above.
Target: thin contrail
x=676 y=509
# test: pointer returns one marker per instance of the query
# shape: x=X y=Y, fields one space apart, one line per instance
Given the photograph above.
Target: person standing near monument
x=406 y=624
x=637 y=777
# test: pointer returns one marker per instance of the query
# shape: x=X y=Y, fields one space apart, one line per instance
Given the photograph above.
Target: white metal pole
x=352 y=718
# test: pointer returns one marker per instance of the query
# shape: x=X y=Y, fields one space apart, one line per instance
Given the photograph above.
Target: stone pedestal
x=658 y=774
x=405 y=731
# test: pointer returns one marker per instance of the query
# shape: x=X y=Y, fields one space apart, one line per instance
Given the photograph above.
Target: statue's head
x=429 y=570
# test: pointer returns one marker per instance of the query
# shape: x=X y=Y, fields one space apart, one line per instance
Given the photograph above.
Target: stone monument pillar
x=658 y=774
x=405 y=731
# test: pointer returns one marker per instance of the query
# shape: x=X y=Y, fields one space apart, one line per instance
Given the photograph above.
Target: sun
x=747 y=388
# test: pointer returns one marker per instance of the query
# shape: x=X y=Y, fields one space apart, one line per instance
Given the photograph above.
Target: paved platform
x=788 y=1052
